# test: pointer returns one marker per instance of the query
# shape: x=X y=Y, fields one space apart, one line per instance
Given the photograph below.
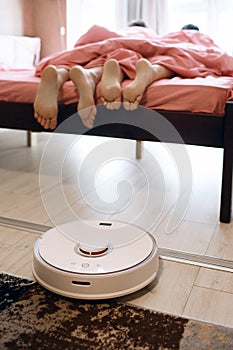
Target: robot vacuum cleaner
x=95 y=260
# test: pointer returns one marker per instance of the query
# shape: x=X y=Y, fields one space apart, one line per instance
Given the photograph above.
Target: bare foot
x=45 y=105
x=85 y=81
x=111 y=85
x=145 y=75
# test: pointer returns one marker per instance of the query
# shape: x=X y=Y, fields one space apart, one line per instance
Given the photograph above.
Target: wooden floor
x=100 y=178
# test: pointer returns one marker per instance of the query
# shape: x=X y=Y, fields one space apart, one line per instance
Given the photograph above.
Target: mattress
x=201 y=94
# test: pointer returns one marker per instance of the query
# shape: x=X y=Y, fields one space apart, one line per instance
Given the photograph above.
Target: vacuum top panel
x=96 y=247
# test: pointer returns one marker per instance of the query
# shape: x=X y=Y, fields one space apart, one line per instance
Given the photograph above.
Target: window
x=82 y=14
x=181 y=12
x=213 y=17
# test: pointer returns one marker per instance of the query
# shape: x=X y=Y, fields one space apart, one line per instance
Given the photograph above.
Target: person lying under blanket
x=139 y=55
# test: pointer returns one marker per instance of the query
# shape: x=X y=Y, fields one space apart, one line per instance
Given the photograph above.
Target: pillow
x=20 y=52
x=95 y=34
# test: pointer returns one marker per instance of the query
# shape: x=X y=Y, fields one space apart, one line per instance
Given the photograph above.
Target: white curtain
x=134 y=10
x=121 y=11
x=153 y=12
x=220 y=23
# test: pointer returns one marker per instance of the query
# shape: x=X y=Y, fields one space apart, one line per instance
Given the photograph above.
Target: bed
x=206 y=120
x=211 y=127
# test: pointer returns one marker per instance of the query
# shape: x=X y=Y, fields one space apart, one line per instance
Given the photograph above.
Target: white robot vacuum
x=95 y=260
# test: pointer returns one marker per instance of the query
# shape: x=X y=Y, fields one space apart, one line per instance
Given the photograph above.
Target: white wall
x=11 y=17
x=40 y=18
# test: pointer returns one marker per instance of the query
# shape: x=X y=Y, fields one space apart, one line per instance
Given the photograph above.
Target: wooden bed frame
x=194 y=128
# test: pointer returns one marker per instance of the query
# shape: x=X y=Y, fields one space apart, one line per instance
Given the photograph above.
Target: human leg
x=45 y=105
x=111 y=84
x=85 y=81
x=146 y=74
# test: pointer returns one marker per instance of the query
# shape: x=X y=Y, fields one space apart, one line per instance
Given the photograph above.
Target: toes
x=126 y=105
x=45 y=122
x=36 y=116
x=88 y=116
x=117 y=103
x=87 y=123
x=130 y=106
x=39 y=119
x=53 y=123
x=111 y=105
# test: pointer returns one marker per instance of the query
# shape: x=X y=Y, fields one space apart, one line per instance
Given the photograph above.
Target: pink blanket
x=188 y=53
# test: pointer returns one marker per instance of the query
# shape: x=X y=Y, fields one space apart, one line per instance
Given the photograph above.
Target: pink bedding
x=188 y=53
x=204 y=80
x=208 y=94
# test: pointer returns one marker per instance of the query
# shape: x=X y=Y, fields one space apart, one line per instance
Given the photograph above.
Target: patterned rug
x=34 y=318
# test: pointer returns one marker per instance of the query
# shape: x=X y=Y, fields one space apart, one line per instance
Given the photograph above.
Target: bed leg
x=226 y=192
x=138 y=149
x=31 y=138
